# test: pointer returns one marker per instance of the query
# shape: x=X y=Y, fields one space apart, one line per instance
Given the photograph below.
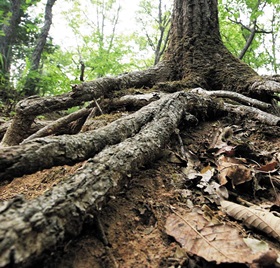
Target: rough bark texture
x=195 y=57
x=60 y=123
x=46 y=152
x=69 y=149
x=18 y=129
x=234 y=96
x=197 y=53
x=29 y=228
x=29 y=108
x=132 y=102
x=266 y=118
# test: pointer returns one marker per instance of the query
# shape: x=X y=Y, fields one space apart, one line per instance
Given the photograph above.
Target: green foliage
x=105 y=49
x=4 y=12
x=237 y=20
x=153 y=18
x=53 y=78
x=25 y=36
x=101 y=48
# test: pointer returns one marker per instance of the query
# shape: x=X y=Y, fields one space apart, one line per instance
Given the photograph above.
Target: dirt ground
x=129 y=231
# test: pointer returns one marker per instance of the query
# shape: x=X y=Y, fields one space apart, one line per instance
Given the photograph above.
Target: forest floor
x=131 y=228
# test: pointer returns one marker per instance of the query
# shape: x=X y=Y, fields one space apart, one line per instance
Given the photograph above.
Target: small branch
x=82 y=75
x=98 y=106
x=248 y=43
x=88 y=121
x=105 y=241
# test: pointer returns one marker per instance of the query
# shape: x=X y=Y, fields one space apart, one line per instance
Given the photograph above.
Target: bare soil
x=129 y=231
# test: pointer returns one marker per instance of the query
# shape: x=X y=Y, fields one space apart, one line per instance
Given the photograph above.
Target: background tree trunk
x=6 y=41
x=31 y=82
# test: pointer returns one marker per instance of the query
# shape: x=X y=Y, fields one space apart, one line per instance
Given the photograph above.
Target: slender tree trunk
x=30 y=85
x=163 y=21
x=6 y=41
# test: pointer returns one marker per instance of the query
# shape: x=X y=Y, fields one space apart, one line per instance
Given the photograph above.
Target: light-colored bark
x=29 y=228
x=234 y=96
x=265 y=118
x=28 y=109
x=46 y=152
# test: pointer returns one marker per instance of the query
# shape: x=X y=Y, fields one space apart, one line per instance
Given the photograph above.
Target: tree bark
x=30 y=84
x=37 y=154
x=29 y=228
x=60 y=123
x=195 y=56
x=28 y=109
x=6 y=41
x=46 y=152
x=197 y=53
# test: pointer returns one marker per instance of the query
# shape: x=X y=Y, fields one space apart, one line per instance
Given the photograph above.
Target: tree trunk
x=163 y=21
x=6 y=41
x=31 y=82
x=197 y=53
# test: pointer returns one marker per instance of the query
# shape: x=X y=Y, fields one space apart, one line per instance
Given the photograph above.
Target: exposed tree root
x=195 y=57
x=55 y=126
x=135 y=140
x=69 y=149
x=234 y=96
x=266 y=118
x=45 y=221
x=28 y=109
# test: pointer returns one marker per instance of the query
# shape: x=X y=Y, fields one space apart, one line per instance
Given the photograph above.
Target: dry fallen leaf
x=257 y=218
x=218 y=243
x=268 y=167
x=221 y=137
x=233 y=169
